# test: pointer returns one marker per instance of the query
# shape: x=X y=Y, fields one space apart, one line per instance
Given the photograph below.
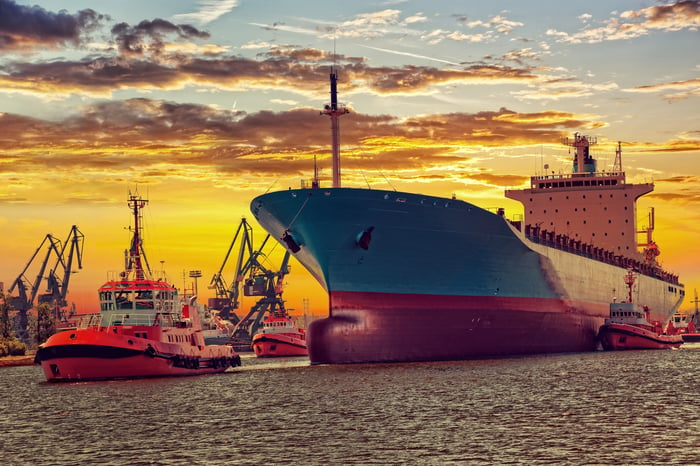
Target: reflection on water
x=636 y=407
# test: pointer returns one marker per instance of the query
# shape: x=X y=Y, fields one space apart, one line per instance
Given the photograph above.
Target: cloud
x=684 y=14
x=670 y=91
x=164 y=138
x=294 y=70
x=30 y=27
x=150 y=141
x=209 y=10
x=147 y=38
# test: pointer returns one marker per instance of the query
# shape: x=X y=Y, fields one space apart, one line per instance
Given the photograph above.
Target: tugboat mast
x=136 y=258
x=335 y=111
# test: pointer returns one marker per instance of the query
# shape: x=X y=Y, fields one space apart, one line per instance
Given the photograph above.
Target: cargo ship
x=414 y=277
x=630 y=328
x=144 y=329
x=279 y=336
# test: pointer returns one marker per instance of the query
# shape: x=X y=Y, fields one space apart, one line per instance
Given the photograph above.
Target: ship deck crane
x=57 y=277
x=254 y=279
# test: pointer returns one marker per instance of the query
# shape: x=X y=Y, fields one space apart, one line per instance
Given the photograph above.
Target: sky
x=202 y=105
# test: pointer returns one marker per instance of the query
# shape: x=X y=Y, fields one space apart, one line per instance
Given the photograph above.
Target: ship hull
x=278 y=345
x=618 y=337
x=439 y=279
x=394 y=328
x=94 y=354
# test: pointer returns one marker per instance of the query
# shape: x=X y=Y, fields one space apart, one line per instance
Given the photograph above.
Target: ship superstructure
x=585 y=206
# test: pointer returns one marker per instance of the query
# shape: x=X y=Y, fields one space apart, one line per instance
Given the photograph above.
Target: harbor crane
x=57 y=277
x=254 y=279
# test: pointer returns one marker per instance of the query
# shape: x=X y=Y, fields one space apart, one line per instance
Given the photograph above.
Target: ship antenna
x=617 y=166
x=314 y=182
x=335 y=111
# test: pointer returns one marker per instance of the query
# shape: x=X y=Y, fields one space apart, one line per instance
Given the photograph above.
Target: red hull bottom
x=81 y=369
x=617 y=337
x=365 y=328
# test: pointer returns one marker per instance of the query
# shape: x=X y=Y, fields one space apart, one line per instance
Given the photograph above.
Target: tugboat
x=279 y=336
x=629 y=327
x=144 y=329
x=683 y=325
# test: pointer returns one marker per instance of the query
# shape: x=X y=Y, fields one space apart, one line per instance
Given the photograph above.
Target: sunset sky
x=201 y=105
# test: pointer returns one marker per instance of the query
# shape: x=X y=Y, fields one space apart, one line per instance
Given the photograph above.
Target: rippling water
x=636 y=407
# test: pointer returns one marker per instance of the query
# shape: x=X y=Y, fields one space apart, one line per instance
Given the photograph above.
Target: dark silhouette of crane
x=57 y=277
x=255 y=279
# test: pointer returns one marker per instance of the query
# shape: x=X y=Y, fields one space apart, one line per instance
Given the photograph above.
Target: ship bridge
x=597 y=208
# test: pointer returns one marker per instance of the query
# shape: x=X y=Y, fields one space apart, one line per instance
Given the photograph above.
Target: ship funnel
x=583 y=161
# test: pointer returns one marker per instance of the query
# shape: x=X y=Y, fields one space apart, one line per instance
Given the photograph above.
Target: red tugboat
x=686 y=325
x=143 y=329
x=683 y=325
x=279 y=336
x=629 y=328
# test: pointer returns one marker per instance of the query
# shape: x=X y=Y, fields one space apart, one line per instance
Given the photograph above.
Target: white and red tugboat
x=143 y=329
x=629 y=327
x=279 y=336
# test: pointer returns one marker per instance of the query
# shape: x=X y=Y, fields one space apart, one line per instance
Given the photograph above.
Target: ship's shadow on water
x=633 y=407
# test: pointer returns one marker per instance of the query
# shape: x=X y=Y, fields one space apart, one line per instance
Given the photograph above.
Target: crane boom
x=255 y=279
x=57 y=276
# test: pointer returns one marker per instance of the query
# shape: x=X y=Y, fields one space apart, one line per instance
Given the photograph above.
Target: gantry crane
x=255 y=279
x=57 y=277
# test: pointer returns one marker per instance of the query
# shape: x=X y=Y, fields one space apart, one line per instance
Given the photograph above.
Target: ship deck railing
x=135 y=318
x=574 y=246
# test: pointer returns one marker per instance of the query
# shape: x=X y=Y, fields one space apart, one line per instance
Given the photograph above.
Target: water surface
x=635 y=407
